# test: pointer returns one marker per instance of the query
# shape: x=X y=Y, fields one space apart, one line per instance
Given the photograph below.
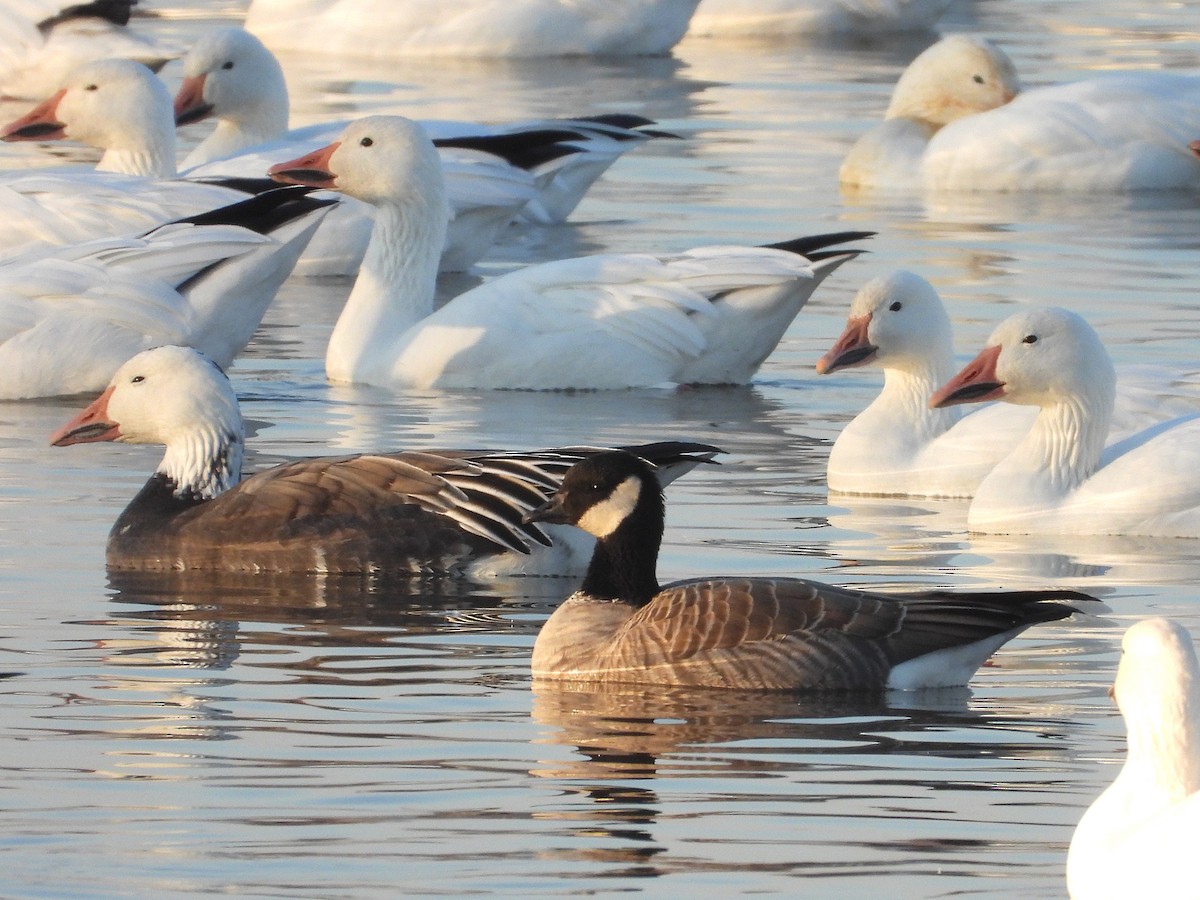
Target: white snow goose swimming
x=705 y=316
x=746 y=632
x=230 y=76
x=41 y=41
x=1138 y=838
x=899 y=446
x=471 y=28
x=122 y=108
x=68 y=319
x=950 y=127
x=776 y=18
x=419 y=513
x=1061 y=478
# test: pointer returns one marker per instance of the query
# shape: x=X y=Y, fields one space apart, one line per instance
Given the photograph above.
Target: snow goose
x=231 y=76
x=1138 y=838
x=1061 y=478
x=419 y=512
x=121 y=107
x=1118 y=132
x=69 y=318
x=899 y=446
x=41 y=41
x=709 y=315
x=775 y=18
x=745 y=632
x=472 y=28
x=959 y=76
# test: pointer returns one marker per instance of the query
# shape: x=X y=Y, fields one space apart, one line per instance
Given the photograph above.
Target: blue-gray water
x=305 y=738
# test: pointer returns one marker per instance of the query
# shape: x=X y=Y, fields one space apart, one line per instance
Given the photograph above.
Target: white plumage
x=1138 y=838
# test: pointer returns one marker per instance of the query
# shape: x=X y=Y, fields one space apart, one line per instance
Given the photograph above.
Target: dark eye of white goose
x=228 y=65
x=978 y=79
x=1029 y=339
x=92 y=87
x=896 y=307
x=137 y=379
x=366 y=142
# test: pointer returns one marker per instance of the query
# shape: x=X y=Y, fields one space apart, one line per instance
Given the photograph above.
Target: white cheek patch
x=604 y=518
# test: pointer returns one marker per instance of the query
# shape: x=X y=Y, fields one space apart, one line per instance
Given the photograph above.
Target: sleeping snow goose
x=710 y=315
x=419 y=512
x=950 y=126
x=746 y=632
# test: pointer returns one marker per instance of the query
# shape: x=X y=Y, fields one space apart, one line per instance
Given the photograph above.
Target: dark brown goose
x=758 y=633
x=420 y=512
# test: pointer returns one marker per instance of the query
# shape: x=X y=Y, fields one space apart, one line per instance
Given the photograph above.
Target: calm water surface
x=333 y=738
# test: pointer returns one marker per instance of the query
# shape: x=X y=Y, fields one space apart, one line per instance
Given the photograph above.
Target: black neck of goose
x=159 y=501
x=624 y=563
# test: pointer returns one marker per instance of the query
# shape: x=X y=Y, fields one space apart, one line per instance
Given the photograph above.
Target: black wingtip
x=809 y=245
x=263 y=212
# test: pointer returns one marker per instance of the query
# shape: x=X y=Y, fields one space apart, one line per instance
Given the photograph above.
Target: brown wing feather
x=791 y=633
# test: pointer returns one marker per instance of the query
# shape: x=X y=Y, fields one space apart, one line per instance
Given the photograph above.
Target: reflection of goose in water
x=629 y=763
x=890 y=535
x=202 y=619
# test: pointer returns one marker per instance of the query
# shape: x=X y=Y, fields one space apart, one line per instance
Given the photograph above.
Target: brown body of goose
x=744 y=632
x=416 y=512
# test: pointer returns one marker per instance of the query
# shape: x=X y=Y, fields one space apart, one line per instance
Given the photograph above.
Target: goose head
x=230 y=74
x=382 y=160
x=958 y=76
x=175 y=396
x=1040 y=357
x=1157 y=690
x=897 y=321
x=602 y=493
x=117 y=105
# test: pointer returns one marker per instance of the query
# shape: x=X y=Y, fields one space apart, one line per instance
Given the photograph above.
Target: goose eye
x=366 y=142
x=227 y=66
x=978 y=79
x=1029 y=339
x=92 y=87
x=137 y=379
x=896 y=307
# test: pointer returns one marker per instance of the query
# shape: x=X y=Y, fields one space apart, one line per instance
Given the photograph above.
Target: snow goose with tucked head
x=899 y=446
x=1138 y=838
x=1121 y=131
x=230 y=76
x=69 y=318
x=958 y=77
x=776 y=18
x=122 y=108
x=745 y=632
x=1061 y=477
x=420 y=513
x=41 y=41
x=709 y=315
x=472 y=28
